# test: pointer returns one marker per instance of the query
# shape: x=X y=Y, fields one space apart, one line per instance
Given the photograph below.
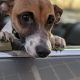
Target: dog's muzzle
x=37 y=46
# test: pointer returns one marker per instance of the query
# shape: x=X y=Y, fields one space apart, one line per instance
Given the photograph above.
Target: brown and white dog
x=33 y=21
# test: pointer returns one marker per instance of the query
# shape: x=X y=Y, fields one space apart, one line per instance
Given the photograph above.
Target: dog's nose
x=42 y=51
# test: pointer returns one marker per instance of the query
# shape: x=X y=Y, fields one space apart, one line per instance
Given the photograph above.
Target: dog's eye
x=50 y=20
x=26 y=18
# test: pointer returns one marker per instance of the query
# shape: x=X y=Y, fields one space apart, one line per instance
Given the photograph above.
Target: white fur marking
x=30 y=49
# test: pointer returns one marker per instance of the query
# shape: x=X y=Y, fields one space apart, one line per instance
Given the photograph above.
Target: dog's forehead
x=36 y=6
x=25 y=5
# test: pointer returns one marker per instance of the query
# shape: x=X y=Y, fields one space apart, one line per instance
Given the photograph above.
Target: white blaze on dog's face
x=31 y=43
x=36 y=41
x=33 y=20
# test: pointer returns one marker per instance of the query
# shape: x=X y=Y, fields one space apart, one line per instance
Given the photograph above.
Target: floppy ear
x=6 y=6
x=58 y=12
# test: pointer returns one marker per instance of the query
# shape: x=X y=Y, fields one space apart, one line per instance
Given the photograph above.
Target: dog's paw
x=58 y=43
x=5 y=36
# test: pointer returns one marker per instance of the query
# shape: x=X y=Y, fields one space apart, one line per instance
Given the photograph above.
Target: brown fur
x=41 y=10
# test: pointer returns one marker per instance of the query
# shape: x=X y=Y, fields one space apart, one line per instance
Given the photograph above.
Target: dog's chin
x=33 y=55
x=30 y=54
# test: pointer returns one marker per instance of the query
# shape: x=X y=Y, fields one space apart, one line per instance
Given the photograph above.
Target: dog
x=33 y=20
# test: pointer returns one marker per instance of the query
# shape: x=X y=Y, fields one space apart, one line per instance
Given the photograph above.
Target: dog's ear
x=58 y=12
x=6 y=6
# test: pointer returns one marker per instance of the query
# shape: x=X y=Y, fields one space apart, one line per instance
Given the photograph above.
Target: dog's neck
x=15 y=33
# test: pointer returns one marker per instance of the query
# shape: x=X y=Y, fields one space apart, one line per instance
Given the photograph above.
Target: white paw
x=5 y=36
x=58 y=43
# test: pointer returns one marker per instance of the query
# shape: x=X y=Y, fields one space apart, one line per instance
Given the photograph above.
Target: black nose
x=42 y=51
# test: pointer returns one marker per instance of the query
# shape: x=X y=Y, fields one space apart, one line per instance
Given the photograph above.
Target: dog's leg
x=57 y=42
x=5 y=36
x=16 y=43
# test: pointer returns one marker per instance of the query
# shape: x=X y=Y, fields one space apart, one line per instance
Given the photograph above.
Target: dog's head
x=33 y=20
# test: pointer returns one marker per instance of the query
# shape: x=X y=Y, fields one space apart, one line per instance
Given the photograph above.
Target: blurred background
x=69 y=26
